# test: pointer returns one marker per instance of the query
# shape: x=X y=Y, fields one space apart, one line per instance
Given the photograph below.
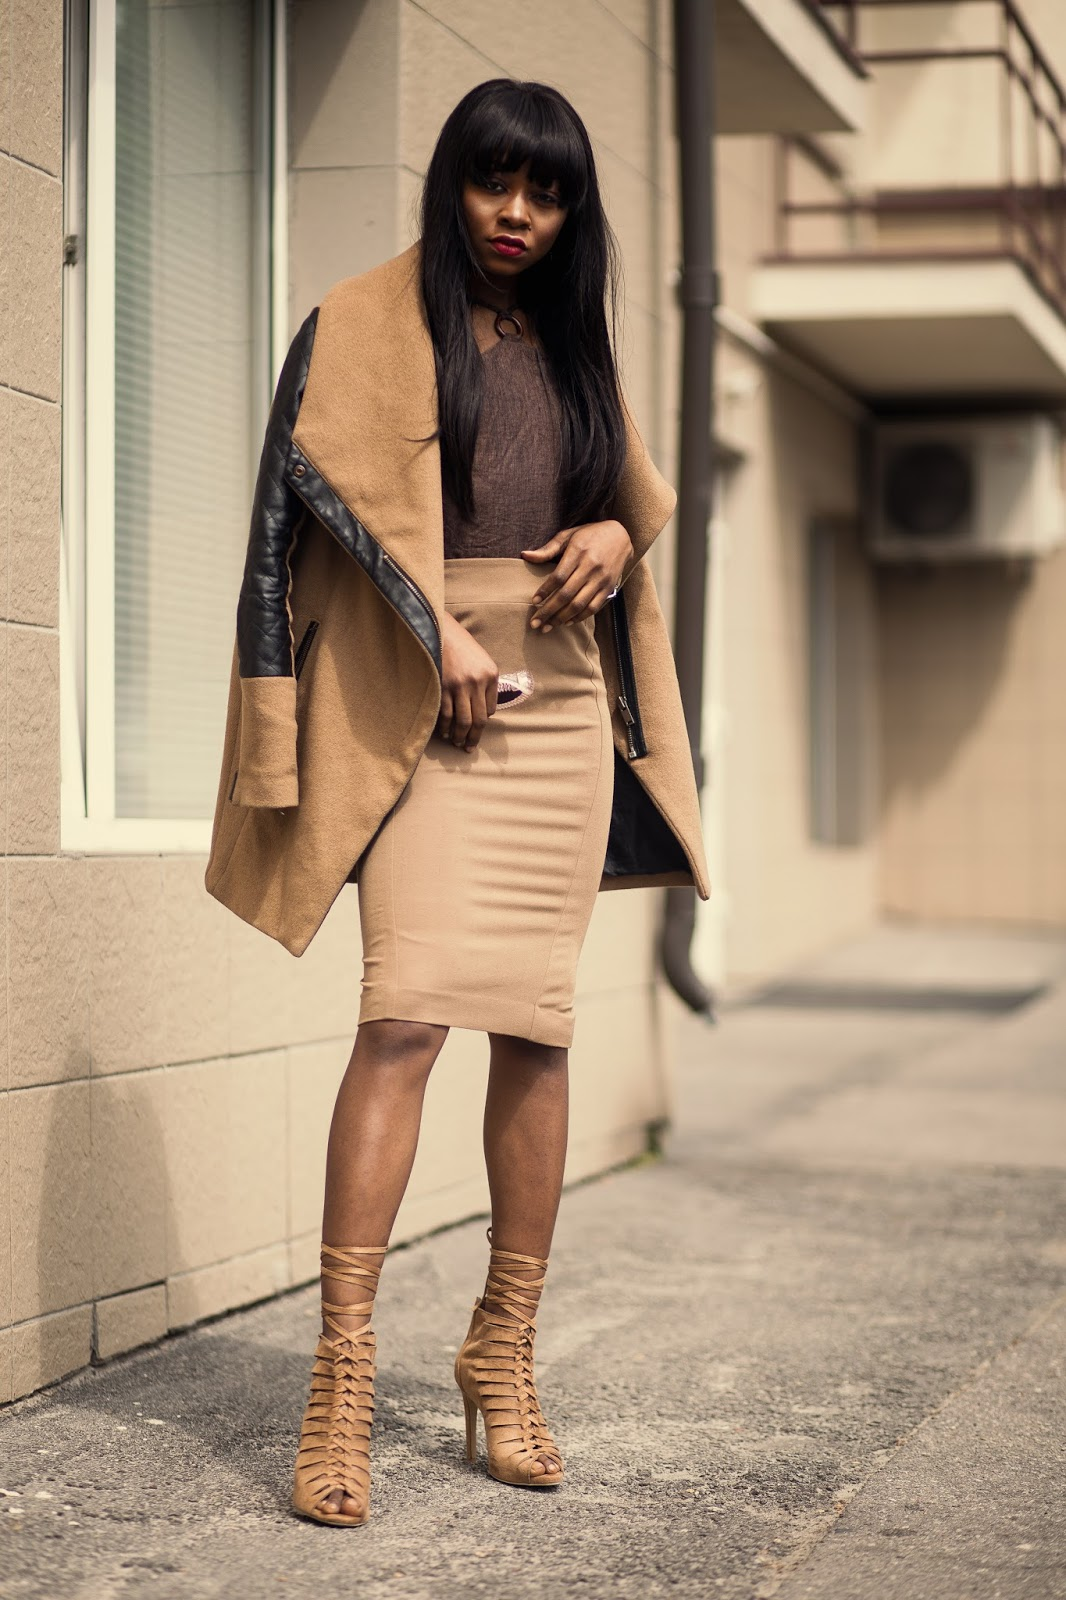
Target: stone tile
x=128 y=962
x=304 y=1256
x=224 y=1137
x=439 y=63
x=51 y=1228
x=449 y=45
x=5 y=71
x=31 y=110
x=30 y=289
x=29 y=524
x=47 y=1349
x=261 y=977
x=343 y=84
x=326 y=979
x=5 y=1213
x=191 y=1296
x=8 y=400
x=48 y=966
x=612 y=1108
x=342 y=221
x=4 y=631
x=314 y=1072
x=195 y=939
x=7 y=1376
x=32 y=741
x=127 y=1321
x=129 y=1181
x=5 y=940
x=618 y=952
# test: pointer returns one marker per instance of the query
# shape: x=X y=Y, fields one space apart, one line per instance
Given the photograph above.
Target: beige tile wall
x=785 y=895
x=973 y=660
x=167 y=1074
x=778 y=895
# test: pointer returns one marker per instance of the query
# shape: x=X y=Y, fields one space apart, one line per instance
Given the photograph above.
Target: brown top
x=516 y=460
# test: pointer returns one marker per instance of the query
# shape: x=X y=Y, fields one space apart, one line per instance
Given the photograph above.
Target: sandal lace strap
x=346 y=1268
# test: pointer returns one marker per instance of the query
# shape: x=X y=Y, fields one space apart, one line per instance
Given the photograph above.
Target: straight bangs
x=518 y=127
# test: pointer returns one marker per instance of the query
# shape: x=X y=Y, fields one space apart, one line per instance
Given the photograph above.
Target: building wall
x=790 y=457
x=973 y=663
x=973 y=719
x=166 y=1073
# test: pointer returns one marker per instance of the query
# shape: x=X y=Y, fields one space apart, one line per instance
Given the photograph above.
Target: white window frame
x=88 y=823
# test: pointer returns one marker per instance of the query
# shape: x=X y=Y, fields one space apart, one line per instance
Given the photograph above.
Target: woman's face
x=513 y=221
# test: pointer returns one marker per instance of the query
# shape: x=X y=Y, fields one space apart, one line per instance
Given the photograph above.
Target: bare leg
x=372 y=1143
x=526 y=1116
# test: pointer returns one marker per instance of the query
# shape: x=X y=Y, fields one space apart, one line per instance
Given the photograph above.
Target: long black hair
x=499 y=126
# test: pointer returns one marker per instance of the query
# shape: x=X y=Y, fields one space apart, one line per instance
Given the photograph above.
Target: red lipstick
x=504 y=245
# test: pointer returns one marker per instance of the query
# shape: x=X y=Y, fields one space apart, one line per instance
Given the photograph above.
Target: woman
x=452 y=683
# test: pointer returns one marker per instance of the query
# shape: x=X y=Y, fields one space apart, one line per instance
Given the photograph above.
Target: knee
x=396 y=1044
x=526 y=1055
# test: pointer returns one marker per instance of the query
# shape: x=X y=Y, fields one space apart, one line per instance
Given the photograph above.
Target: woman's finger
x=444 y=720
x=552 y=605
x=565 y=567
x=478 y=717
x=585 y=603
x=554 y=547
x=461 y=718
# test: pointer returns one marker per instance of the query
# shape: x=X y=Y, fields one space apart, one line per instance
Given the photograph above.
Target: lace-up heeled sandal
x=334 y=1449
x=494 y=1371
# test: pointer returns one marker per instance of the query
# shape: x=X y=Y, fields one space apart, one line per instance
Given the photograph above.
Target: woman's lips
x=508 y=247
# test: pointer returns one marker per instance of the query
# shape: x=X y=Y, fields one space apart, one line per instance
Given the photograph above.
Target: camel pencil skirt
x=477 y=891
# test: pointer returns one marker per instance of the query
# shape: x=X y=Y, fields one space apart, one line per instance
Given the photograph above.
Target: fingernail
x=534 y=623
x=547 y=627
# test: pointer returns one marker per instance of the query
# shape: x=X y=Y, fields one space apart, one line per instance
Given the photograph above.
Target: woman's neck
x=497 y=297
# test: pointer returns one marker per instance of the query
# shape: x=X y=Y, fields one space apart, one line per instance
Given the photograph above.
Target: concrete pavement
x=815 y=1351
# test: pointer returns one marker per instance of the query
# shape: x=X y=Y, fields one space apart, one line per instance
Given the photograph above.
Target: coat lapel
x=368 y=422
x=368 y=418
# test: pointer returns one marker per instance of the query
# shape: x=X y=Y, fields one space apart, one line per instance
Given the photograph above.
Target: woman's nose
x=515 y=211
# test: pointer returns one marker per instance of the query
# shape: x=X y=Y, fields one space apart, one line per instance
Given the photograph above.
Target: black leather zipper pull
x=628 y=704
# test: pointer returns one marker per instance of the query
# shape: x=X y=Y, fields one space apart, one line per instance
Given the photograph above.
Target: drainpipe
x=693 y=71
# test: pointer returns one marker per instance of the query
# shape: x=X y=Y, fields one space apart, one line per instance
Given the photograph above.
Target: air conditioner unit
x=967 y=489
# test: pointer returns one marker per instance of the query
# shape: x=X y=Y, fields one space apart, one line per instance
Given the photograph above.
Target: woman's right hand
x=469 y=679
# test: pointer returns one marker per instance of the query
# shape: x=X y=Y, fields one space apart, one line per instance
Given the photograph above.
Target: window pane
x=191 y=246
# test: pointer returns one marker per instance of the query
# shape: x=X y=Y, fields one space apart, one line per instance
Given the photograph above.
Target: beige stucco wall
x=973 y=663
x=792 y=448
x=973 y=719
x=166 y=1073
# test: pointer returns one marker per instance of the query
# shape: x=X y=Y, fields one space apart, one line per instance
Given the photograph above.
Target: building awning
x=892 y=329
x=781 y=67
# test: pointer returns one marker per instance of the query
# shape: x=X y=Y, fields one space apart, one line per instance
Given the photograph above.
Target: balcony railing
x=826 y=212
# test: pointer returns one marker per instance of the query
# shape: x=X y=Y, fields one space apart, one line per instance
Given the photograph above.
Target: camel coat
x=335 y=684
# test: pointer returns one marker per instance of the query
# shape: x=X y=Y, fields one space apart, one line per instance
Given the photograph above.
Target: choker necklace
x=502 y=319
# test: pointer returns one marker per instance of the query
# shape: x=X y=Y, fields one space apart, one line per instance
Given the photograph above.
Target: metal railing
x=1022 y=217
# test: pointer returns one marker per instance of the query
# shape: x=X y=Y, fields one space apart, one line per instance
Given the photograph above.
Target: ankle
x=349 y=1283
x=515 y=1296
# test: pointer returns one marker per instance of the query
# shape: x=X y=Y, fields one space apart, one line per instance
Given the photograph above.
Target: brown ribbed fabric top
x=516 y=459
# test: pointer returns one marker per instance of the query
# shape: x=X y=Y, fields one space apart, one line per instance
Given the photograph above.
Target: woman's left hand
x=591 y=560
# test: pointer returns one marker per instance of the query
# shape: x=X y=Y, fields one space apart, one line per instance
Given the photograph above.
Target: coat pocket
x=303 y=647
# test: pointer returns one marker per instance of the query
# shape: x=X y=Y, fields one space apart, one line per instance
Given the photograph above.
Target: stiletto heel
x=471 y=1428
x=334 y=1449
x=494 y=1371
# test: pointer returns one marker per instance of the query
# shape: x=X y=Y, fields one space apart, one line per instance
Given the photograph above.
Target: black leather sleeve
x=264 y=638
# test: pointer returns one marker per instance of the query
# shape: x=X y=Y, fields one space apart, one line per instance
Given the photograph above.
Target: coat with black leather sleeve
x=335 y=680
